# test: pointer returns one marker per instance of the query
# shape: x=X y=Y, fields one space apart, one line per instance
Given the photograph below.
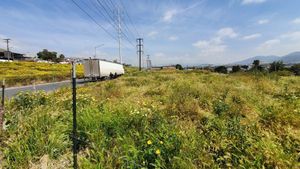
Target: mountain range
x=291 y=58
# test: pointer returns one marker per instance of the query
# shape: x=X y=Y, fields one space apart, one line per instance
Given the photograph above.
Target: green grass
x=24 y=73
x=160 y=119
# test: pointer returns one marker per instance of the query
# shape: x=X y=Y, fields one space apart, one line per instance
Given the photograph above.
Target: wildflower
x=149 y=142
x=157 y=152
x=161 y=142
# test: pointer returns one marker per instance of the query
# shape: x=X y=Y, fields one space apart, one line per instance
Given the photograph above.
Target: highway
x=12 y=91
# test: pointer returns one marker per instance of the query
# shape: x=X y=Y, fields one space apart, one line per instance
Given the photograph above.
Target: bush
x=28 y=100
x=296 y=69
x=276 y=66
x=236 y=69
x=221 y=69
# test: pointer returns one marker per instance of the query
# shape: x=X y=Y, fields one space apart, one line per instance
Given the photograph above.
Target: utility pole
x=119 y=33
x=7 y=48
x=140 y=51
x=74 y=133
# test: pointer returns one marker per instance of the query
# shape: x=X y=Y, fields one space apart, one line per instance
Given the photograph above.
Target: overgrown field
x=24 y=73
x=161 y=119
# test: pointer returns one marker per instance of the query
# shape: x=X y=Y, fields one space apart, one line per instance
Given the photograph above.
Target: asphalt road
x=12 y=91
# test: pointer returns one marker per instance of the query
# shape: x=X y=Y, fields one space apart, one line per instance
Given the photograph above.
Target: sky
x=188 y=32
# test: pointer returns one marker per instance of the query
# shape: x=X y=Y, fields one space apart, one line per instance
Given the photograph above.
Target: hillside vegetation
x=24 y=73
x=160 y=119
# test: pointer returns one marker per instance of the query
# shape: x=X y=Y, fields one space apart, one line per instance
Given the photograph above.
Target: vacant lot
x=24 y=73
x=162 y=119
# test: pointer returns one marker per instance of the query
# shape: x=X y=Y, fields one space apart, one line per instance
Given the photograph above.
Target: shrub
x=236 y=69
x=296 y=69
x=221 y=69
x=276 y=66
x=220 y=107
x=27 y=100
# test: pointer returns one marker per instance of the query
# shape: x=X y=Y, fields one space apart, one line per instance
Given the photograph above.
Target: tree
x=60 y=58
x=236 y=68
x=221 y=69
x=296 y=69
x=47 y=55
x=179 y=67
x=276 y=66
x=245 y=67
x=256 y=63
x=256 y=66
x=50 y=56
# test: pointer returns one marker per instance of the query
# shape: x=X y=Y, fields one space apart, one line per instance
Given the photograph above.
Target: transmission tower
x=148 y=61
x=140 y=48
x=7 y=48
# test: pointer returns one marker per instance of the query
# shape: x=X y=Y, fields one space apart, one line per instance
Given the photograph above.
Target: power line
x=98 y=11
x=116 y=23
x=94 y=20
x=106 y=11
x=130 y=20
x=127 y=29
x=111 y=8
x=119 y=34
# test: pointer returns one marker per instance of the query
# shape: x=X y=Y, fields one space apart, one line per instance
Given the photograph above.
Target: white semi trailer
x=100 y=69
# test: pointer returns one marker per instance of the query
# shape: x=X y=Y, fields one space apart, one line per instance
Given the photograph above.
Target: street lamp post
x=96 y=49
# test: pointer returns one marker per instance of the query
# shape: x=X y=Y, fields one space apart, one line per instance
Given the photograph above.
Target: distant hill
x=290 y=58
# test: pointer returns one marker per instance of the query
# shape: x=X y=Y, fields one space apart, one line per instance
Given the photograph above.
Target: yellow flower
x=157 y=152
x=149 y=142
x=161 y=142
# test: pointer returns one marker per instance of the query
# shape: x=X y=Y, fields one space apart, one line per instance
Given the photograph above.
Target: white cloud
x=269 y=44
x=263 y=21
x=215 y=47
x=253 y=36
x=210 y=47
x=171 y=13
x=291 y=35
x=173 y=38
x=296 y=21
x=152 y=34
x=247 y=2
x=227 y=32
x=168 y=16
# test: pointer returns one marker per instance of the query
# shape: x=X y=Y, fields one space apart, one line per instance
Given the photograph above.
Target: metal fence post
x=3 y=94
x=74 y=136
x=2 y=105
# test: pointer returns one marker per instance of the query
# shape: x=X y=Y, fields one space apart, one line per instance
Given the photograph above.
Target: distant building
x=156 y=67
x=169 y=67
x=5 y=55
x=163 y=67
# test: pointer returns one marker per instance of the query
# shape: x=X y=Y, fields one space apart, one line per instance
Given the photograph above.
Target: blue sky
x=190 y=32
